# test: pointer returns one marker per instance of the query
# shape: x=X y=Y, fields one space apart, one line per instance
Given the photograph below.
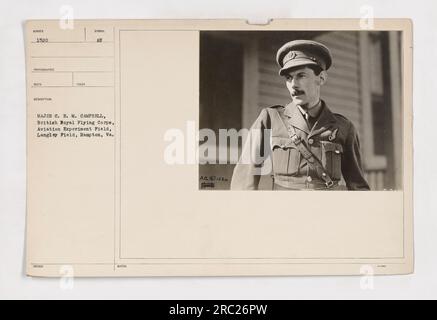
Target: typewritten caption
x=73 y=125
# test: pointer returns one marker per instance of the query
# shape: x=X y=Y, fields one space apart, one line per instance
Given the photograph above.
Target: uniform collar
x=326 y=119
x=306 y=113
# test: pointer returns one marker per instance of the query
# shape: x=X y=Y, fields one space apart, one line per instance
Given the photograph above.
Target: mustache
x=297 y=92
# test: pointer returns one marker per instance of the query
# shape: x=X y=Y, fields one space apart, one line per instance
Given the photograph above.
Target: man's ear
x=323 y=76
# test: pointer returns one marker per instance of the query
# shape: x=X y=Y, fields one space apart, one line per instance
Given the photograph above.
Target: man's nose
x=294 y=84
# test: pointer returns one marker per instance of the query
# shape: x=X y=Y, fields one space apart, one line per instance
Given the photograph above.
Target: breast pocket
x=285 y=156
x=331 y=158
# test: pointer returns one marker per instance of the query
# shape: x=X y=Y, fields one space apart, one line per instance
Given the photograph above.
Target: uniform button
x=324 y=174
x=310 y=141
x=337 y=151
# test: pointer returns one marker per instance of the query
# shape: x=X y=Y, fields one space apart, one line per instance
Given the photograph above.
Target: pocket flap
x=282 y=142
x=332 y=147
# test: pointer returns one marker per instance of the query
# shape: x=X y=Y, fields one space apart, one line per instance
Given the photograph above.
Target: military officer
x=310 y=147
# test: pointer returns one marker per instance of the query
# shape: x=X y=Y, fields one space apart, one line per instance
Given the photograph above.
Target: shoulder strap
x=275 y=117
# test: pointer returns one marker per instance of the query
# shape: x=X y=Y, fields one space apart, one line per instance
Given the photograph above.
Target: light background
x=13 y=283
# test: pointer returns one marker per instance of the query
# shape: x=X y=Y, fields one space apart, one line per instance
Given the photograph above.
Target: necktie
x=310 y=120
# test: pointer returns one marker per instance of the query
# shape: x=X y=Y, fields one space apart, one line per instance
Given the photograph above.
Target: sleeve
x=247 y=172
x=351 y=167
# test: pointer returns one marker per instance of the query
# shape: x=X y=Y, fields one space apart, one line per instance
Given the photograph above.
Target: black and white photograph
x=300 y=110
x=133 y=133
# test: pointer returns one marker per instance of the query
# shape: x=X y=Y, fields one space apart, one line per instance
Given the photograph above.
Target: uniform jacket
x=333 y=140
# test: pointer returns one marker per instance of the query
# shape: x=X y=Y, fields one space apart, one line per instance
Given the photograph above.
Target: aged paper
x=105 y=99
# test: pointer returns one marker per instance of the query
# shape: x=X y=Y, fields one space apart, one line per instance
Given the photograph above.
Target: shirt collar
x=307 y=114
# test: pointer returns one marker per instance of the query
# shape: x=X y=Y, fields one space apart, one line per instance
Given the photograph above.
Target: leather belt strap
x=292 y=185
x=312 y=160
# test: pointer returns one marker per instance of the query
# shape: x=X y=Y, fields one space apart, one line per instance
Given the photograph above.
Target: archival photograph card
x=219 y=147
